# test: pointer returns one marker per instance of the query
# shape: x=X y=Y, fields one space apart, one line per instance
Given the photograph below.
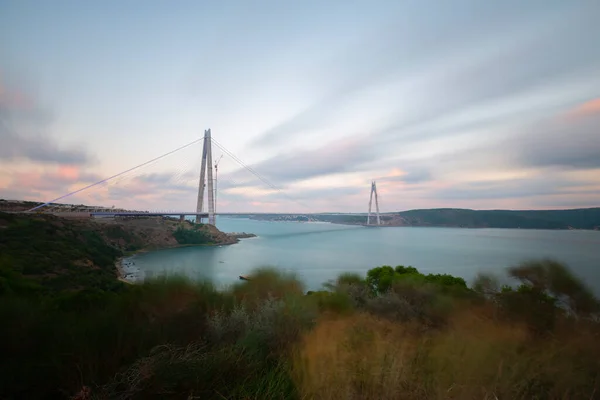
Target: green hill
x=583 y=218
x=586 y=218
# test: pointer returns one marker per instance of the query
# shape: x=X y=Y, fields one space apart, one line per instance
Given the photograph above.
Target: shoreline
x=121 y=273
x=429 y=226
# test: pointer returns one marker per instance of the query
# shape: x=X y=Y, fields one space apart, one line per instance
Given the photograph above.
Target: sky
x=462 y=103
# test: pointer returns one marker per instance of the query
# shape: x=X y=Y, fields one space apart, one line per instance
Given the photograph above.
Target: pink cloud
x=44 y=184
x=591 y=107
x=68 y=171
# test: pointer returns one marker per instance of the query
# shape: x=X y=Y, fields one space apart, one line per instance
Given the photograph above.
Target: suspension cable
x=255 y=173
x=117 y=175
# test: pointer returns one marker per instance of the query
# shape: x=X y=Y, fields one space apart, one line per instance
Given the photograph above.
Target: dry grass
x=355 y=357
x=475 y=357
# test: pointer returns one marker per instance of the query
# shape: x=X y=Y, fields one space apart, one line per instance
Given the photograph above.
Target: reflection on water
x=317 y=252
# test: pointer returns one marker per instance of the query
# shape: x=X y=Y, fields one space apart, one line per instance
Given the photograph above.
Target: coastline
x=569 y=228
x=120 y=267
x=120 y=271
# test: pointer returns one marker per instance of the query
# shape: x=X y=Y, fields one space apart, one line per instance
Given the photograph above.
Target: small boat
x=221 y=262
x=244 y=278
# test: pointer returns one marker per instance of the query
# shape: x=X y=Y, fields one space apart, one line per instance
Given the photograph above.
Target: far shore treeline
x=579 y=218
x=583 y=218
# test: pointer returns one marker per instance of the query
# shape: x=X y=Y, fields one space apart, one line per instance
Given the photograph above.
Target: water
x=318 y=252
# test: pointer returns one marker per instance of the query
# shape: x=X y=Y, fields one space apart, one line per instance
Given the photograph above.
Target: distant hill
x=583 y=218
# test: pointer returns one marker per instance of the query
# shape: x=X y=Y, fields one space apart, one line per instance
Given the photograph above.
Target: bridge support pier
x=373 y=191
x=182 y=218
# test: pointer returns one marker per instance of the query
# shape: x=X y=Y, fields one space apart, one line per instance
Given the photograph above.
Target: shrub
x=200 y=371
x=265 y=283
x=195 y=235
x=338 y=302
x=268 y=328
x=380 y=279
x=554 y=278
x=349 y=279
x=547 y=290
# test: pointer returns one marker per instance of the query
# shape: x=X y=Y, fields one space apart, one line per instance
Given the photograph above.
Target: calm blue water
x=317 y=252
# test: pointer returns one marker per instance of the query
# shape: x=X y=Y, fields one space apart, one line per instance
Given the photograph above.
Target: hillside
x=46 y=253
x=588 y=218
x=584 y=218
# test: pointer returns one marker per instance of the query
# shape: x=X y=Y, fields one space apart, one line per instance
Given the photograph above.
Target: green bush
x=547 y=289
x=195 y=235
x=337 y=302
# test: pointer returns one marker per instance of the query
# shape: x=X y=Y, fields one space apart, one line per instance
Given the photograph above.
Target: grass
x=475 y=357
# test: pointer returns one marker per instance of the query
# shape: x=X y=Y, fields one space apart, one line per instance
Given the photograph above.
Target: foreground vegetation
x=392 y=334
x=70 y=329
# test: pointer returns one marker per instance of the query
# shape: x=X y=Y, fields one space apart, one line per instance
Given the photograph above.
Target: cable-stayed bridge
x=206 y=206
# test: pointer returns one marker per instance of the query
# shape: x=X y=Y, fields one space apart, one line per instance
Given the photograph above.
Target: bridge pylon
x=206 y=179
x=373 y=191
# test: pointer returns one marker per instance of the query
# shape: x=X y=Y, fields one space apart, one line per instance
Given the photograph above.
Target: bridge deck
x=146 y=214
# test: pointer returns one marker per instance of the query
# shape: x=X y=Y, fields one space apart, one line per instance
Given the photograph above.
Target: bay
x=317 y=252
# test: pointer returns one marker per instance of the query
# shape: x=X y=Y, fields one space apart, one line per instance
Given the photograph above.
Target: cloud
x=410 y=175
x=23 y=132
x=584 y=200
x=147 y=191
x=440 y=120
x=535 y=155
x=16 y=193
x=255 y=199
x=345 y=155
x=441 y=83
x=155 y=185
x=591 y=107
x=43 y=185
x=571 y=144
x=168 y=179
x=39 y=149
x=510 y=189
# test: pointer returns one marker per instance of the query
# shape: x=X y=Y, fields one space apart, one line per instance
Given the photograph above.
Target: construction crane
x=216 y=175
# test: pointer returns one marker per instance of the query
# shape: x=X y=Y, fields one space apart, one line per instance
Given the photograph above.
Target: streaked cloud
x=23 y=131
x=458 y=104
x=591 y=107
x=329 y=158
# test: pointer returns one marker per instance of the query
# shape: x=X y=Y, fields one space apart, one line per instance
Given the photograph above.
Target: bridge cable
x=250 y=169
x=117 y=175
x=255 y=173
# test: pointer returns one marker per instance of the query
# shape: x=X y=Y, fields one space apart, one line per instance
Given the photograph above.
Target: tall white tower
x=206 y=177
x=373 y=191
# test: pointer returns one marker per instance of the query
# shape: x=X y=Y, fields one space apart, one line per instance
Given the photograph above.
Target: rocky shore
x=241 y=235
x=139 y=235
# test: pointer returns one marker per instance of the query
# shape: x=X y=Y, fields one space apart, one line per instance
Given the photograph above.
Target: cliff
x=46 y=253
